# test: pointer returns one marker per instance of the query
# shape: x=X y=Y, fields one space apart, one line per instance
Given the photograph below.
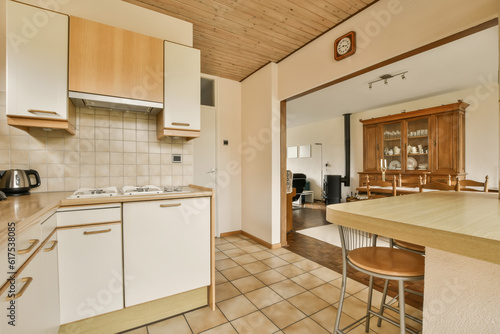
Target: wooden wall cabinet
x=112 y=61
x=181 y=110
x=37 y=69
x=427 y=141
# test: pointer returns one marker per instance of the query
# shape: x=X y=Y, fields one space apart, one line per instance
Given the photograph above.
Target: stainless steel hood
x=85 y=100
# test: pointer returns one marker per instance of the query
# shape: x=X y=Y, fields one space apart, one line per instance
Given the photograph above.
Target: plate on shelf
x=412 y=163
x=394 y=164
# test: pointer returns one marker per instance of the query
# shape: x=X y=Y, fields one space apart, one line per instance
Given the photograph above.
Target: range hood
x=85 y=100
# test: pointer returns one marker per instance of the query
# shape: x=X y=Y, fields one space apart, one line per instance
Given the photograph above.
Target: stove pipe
x=347 y=145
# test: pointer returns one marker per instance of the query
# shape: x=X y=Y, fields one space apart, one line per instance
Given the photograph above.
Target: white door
x=205 y=154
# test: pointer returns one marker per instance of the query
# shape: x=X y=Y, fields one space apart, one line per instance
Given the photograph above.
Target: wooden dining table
x=461 y=233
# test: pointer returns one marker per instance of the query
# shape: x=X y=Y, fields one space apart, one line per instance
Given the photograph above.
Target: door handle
x=42 y=111
x=170 y=205
x=33 y=243
x=96 y=232
x=54 y=244
x=27 y=281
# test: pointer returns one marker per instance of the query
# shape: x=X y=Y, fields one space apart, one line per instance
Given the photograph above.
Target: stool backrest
x=351 y=238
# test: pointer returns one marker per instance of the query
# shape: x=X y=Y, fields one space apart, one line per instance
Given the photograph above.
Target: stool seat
x=409 y=245
x=388 y=261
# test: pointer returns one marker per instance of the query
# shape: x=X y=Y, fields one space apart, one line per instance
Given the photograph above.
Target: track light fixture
x=386 y=78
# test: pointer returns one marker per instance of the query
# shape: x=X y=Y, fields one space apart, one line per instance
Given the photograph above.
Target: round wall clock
x=345 y=46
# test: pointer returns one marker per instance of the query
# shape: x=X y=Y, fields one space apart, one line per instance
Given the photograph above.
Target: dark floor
x=330 y=256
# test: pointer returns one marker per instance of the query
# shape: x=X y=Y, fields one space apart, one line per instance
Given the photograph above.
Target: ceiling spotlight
x=386 y=78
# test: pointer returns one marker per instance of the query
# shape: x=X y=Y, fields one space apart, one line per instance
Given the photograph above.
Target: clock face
x=343 y=46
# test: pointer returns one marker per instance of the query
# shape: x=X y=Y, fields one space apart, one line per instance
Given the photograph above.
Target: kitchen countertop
x=27 y=210
x=463 y=223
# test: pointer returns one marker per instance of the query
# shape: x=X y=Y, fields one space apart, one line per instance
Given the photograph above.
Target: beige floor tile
x=220 y=256
x=352 y=287
x=263 y=297
x=176 y=325
x=244 y=259
x=243 y=243
x=256 y=267
x=308 y=281
x=226 y=246
x=220 y=241
x=327 y=292
x=305 y=326
x=247 y=284
x=222 y=329
x=262 y=255
x=292 y=257
x=204 y=318
x=290 y=271
x=326 y=274
x=236 y=307
x=279 y=251
x=235 y=273
x=225 y=264
x=376 y=299
x=235 y=252
x=142 y=330
x=308 y=303
x=326 y=318
x=275 y=262
x=252 y=249
x=354 y=307
x=307 y=265
x=219 y=278
x=255 y=323
x=283 y=314
x=287 y=288
x=270 y=276
x=234 y=238
x=225 y=291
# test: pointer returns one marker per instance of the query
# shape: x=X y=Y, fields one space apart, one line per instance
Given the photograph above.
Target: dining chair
x=448 y=186
x=471 y=185
x=391 y=184
x=359 y=251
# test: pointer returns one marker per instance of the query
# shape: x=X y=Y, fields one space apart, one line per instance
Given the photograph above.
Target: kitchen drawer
x=27 y=242
x=83 y=215
x=48 y=226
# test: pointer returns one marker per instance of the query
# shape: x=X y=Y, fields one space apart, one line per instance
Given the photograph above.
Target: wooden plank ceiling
x=237 y=37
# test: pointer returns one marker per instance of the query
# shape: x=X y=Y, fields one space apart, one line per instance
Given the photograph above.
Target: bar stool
x=360 y=252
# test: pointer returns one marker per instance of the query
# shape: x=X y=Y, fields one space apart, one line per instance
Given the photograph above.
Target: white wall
x=384 y=30
x=124 y=15
x=331 y=134
x=228 y=190
x=260 y=200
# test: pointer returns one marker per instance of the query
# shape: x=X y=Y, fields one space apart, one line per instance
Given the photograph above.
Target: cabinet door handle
x=170 y=205
x=54 y=244
x=42 y=111
x=96 y=232
x=27 y=281
x=33 y=243
x=180 y=124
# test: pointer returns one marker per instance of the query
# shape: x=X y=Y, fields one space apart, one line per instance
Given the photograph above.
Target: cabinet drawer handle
x=54 y=244
x=181 y=124
x=170 y=205
x=97 y=232
x=33 y=243
x=27 y=281
x=42 y=111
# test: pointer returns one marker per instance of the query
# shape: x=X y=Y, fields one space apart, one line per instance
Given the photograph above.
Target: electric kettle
x=16 y=182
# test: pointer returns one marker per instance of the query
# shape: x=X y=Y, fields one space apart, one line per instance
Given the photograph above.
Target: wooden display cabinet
x=422 y=142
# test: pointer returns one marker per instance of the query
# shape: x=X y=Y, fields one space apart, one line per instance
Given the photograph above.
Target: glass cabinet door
x=392 y=146
x=418 y=145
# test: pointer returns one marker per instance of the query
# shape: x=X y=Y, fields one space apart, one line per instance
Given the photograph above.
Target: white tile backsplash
x=110 y=148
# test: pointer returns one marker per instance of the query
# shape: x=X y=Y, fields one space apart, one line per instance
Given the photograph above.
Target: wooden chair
x=380 y=183
x=466 y=185
x=438 y=185
x=360 y=252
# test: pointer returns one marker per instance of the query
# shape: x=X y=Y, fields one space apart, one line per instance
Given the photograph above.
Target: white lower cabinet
x=36 y=308
x=90 y=271
x=166 y=248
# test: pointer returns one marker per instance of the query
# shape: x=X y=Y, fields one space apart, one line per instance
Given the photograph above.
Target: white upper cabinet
x=181 y=113
x=37 y=68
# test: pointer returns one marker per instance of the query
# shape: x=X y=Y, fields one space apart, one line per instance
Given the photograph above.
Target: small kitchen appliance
x=17 y=182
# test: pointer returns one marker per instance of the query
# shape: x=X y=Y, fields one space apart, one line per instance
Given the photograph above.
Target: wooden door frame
x=283 y=145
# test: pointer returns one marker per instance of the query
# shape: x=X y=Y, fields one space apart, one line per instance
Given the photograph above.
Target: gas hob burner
x=173 y=189
x=95 y=192
x=141 y=190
